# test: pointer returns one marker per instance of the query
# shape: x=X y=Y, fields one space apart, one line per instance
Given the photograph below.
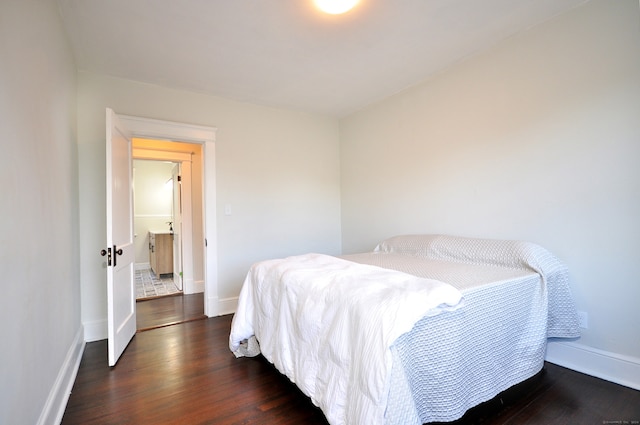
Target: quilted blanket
x=328 y=324
x=509 y=254
x=452 y=362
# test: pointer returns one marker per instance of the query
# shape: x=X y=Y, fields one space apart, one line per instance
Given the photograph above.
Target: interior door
x=177 y=227
x=121 y=296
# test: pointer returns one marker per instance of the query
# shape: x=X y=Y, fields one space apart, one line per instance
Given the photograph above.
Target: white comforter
x=328 y=324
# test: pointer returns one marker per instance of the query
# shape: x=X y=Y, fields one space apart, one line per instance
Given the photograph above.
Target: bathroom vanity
x=161 y=252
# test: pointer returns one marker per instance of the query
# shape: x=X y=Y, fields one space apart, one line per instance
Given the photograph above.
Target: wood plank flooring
x=185 y=374
x=169 y=310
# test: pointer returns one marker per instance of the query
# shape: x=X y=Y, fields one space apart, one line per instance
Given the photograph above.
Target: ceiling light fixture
x=335 y=7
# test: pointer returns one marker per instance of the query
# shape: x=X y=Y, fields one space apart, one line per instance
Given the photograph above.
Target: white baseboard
x=142 y=266
x=198 y=286
x=95 y=330
x=220 y=306
x=620 y=369
x=227 y=305
x=59 y=395
x=193 y=286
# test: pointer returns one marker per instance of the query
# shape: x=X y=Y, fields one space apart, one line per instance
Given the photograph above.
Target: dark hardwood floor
x=168 y=310
x=185 y=374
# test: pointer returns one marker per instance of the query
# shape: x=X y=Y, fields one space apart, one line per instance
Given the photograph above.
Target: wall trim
x=142 y=266
x=227 y=305
x=193 y=286
x=56 y=403
x=95 y=330
x=161 y=129
x=221 y=306
x=616 y=368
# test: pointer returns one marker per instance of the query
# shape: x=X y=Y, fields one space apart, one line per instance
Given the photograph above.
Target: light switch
x=227 y=209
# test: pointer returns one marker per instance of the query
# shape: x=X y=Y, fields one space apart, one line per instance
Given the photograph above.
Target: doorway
x=156 y=213
x=121 y=302
x=204 y=137
x=167 y=182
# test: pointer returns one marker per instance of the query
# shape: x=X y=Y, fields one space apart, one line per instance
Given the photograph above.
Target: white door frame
x=176 y=215
x=184 y=159
x=147 y=128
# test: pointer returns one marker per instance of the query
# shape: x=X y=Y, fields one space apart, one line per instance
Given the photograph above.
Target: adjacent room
x=291 y=131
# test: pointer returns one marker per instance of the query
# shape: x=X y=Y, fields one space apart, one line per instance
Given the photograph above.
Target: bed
x=419 y=330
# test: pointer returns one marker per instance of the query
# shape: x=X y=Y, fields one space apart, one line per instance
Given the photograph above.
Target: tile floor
x=149 y=285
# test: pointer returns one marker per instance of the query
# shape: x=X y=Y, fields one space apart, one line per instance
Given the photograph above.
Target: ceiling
x=284 y=53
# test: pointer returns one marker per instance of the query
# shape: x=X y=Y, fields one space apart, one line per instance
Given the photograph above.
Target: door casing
x=147 y=128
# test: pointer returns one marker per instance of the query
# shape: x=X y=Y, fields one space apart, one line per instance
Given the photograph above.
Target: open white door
x=121 y=295
x=177 y=227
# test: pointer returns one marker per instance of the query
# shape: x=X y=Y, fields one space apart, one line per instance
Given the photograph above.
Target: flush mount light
x=335 y=7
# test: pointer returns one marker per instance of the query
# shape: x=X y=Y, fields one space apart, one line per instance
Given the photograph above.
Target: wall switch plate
x=583 y=319
x=227 y=209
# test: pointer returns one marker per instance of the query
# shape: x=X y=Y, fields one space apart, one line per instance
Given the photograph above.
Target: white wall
x=537 y=139
x=277 y=170
x=40 y=303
